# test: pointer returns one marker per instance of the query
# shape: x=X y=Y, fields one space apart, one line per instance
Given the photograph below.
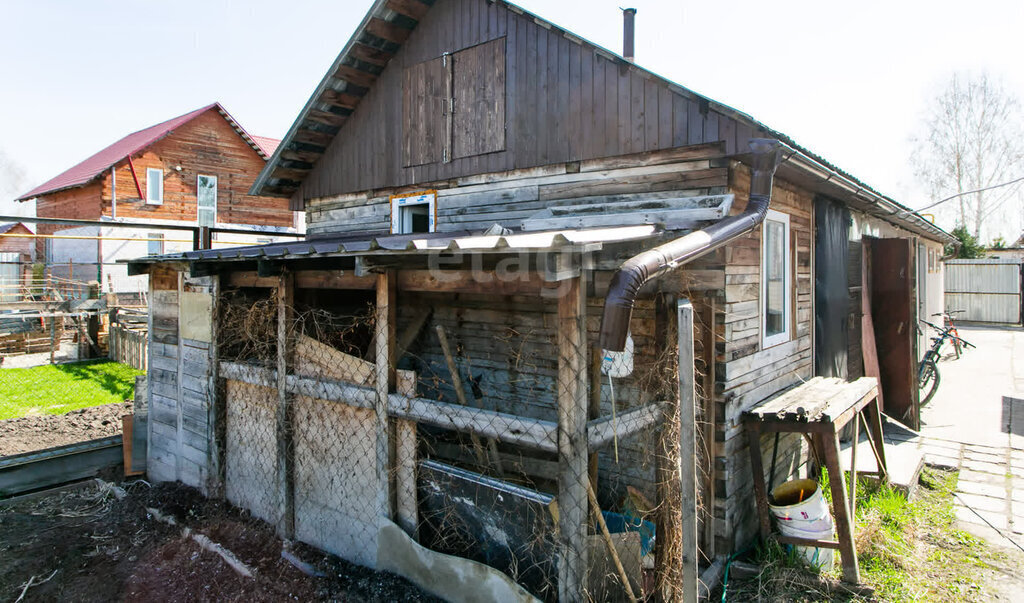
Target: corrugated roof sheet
x=135 y=142
x=418 y=244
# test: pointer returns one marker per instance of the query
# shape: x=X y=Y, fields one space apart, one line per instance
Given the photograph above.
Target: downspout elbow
x=653 y=263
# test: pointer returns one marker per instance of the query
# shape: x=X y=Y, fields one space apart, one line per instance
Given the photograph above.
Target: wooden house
x=469 y=165
x=194 y=169
x=17 y=252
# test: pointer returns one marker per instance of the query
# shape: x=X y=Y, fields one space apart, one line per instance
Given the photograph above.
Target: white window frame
x=768 y=341
x=155 y=239
x=428 y=198
x=199 y=208
x=151 y=174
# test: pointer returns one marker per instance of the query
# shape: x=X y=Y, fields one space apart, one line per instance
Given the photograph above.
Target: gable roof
x=8 y=226
x=85 y=171
x=381 y=34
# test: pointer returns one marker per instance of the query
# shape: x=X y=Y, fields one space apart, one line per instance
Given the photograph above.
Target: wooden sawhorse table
x=819 y=409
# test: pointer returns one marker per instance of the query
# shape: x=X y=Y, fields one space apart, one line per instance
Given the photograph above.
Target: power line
x=979 y=190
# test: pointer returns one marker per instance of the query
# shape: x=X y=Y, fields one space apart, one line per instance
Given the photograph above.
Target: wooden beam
x=601 y=431
x=514 y=429
x=383 y=346
x=572 y=443
x=387 y=31
x=468 y=281
x=688 y=452
x=339 y=99
x=370 y=54
x=414 y=9
x=326 y=117
x=669 y=456
x=285 y=448
x=355 y=76
x=313 y=137
x=333 y=279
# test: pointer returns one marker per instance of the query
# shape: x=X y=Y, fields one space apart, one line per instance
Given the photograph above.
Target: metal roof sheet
x=417 y=244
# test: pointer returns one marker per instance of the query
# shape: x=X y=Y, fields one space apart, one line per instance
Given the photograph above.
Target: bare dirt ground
x=87 y=545
x=67 y=352
x=26 y=434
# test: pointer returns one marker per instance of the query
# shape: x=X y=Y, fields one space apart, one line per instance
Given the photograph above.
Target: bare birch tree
x=972 y=139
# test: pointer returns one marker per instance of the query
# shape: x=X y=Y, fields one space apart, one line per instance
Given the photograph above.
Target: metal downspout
x=653 y=263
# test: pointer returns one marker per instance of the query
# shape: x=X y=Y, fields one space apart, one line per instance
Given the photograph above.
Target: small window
x=776 y=285
x=155 y=242
x=206 y=200
x=413 y=213
x=154 y=186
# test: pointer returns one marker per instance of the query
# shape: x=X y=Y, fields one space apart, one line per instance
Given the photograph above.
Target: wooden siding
x=565 y=101
x=206 y=145
x=746 y=372
x=479 y=201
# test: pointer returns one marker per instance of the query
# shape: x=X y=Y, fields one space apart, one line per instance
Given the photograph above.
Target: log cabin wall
x=82 y=203
x=206 y=145
x=565 y=100
x=748 y=373
x=479 y=201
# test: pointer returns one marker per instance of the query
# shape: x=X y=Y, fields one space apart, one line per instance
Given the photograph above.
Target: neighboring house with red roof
x=16 y=255
x=195 y=169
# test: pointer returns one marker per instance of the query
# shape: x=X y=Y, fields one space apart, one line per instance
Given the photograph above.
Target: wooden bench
x=819 y=409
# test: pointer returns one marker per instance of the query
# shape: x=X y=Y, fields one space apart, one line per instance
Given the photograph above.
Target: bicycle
x=947 y=321
x=928 y=368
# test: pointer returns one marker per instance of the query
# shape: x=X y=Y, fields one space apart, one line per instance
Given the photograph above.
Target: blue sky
x=846 y=79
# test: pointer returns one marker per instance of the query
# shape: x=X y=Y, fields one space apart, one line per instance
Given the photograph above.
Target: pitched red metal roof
x=269 y=145
x=97 y=164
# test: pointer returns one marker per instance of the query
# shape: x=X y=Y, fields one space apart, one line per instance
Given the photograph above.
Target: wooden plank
x=285 y=447
x=572 y=437
x=841 y=505
x=478 y=123
x=315 y=359
x=388 y=31
x=384 y=345
x=601 y=431
x=504 y=427
x=688 y=452
x=424 y=98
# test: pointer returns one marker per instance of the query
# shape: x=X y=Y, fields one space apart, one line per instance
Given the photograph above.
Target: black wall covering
x=831 y=292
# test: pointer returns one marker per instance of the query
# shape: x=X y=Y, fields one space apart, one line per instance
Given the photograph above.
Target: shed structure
x=474 y=178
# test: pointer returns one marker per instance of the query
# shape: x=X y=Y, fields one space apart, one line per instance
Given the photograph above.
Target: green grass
x=907 y=551
x=57 y=389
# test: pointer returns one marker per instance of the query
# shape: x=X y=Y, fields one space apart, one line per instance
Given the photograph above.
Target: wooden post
x=688 y=450
x=384 y=337
x=708 y=424
x=53 y=335
x=217 y=434
x=285 y=449
x=829 y=442
x=572 y=443
x=668 y=457
x=594 y=407
x=757 y=474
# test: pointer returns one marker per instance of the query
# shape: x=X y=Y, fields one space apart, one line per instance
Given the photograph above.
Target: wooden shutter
x=478 y=123
x=424 y=95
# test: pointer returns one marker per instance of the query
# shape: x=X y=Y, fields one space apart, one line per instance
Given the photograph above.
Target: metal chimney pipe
x=628 y=29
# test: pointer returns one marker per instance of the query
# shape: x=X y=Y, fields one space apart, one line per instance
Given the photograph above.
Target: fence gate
x=10 y=276
x=987 y=290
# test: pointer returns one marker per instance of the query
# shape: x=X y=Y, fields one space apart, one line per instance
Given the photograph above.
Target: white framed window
x=414 y=213
x=154 y=186
x=776 y=280
x=206 y=200
x=155 y=243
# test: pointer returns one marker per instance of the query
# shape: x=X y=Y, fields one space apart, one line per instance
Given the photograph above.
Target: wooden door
x=893 y=315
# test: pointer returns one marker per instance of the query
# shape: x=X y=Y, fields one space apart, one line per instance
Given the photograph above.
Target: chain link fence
x=502 y=436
